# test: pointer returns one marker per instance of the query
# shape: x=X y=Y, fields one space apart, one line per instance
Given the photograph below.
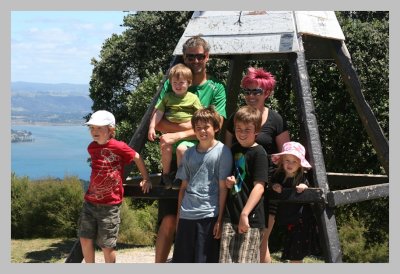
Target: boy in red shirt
x=100 y=217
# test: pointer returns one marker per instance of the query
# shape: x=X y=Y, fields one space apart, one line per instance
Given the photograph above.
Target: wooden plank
x=251 y=23
x=252 y=44
x=242 y=32
x=256 y=32
x=158 y=191
x=132 y=189
x=368 y=119
x=355 y=180
x=288 y=195
x=318 y=23
x=358 y=194
x=258 y=56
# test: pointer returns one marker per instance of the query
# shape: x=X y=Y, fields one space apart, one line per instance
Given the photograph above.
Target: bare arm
x=254 y=198
x=281 y=139
x=155 y=119
x=180 y=198
x=228 y=139
x=145 y=183
x=223 y=193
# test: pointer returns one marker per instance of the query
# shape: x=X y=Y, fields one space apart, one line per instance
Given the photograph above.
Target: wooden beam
x=132 y=189
x=368 y=119
x=358 y=194
x=288 y=195
x=310 y=137
x=75 y=255
x=349 y=180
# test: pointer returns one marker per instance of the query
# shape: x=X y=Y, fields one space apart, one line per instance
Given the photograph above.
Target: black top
x=290 y=213
x=250 y=164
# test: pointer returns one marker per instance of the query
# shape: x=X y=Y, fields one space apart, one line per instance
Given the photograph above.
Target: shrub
x=355 y=247
x=138 y=225
x=45 y=208
x=50 y=208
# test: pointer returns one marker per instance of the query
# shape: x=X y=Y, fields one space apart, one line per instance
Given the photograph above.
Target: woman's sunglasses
x=255 y=92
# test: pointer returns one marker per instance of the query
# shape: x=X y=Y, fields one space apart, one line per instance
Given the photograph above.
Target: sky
x=57 y=46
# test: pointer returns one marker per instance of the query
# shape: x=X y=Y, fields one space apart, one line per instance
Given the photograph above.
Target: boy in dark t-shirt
x=244 y=218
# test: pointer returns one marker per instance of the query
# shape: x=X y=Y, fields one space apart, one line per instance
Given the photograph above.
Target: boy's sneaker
x=176 y=184
x=167 y=180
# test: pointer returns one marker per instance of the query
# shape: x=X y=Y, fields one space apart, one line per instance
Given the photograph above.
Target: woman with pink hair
x=257 y=86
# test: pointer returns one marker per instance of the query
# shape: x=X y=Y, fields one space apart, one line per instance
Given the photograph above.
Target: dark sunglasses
x=192 y=57
x=256 y=91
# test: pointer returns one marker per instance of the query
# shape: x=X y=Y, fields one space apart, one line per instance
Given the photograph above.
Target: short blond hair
x=180 y=70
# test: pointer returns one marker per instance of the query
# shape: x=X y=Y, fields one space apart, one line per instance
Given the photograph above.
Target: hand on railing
x=146 y=185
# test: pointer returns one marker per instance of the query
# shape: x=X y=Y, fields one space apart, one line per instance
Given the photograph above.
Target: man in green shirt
x=210 y=92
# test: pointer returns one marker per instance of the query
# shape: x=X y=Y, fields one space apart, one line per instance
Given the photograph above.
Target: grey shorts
x=100 y=223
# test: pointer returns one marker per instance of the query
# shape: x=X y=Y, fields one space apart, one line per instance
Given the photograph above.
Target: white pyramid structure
x=259 y=32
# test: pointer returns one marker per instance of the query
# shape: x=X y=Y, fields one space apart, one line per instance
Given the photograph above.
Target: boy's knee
x=180 y=150
x=166 y=148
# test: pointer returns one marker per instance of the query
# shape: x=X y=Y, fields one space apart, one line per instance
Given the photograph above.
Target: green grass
x=40 y=250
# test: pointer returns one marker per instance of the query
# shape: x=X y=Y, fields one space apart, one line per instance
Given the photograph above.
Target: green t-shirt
x=179 y=109
x=212 y=92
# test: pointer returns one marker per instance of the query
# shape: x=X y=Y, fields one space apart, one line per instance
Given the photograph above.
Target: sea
x=57 y=151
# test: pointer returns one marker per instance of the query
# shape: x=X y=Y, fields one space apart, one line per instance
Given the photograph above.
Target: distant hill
x=26 y=87
x=49 y=103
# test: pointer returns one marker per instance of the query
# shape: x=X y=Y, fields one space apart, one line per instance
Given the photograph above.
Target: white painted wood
x=319 y=23
x=258 y=31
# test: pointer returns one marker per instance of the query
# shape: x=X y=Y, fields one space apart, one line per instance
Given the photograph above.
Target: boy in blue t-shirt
x=203 y=192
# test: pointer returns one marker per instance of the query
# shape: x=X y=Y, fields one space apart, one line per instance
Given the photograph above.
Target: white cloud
x=52 y=47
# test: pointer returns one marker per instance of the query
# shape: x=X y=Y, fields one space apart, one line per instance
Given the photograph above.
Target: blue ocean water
x=57 y=151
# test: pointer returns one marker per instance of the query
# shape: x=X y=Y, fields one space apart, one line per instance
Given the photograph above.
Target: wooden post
x=331 y=243
x=76 y=255
x=233 y=86
x=350 y=77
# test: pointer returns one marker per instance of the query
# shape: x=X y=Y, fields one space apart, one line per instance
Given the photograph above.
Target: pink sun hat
x=293 y=148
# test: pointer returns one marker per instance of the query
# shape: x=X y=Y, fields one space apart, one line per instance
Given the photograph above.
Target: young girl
x=297 y=218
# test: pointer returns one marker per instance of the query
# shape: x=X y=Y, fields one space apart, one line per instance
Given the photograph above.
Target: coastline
x=59 y=149
x=24 y=123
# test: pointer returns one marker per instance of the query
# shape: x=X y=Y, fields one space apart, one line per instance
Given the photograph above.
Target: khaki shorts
x=100 y=223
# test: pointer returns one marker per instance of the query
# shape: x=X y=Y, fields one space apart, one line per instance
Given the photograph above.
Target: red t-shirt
x=108 y=161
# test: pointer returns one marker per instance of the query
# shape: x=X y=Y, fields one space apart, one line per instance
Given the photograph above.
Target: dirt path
x=134 y=255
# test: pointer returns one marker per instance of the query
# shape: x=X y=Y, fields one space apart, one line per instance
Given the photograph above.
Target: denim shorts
x=100 y=223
